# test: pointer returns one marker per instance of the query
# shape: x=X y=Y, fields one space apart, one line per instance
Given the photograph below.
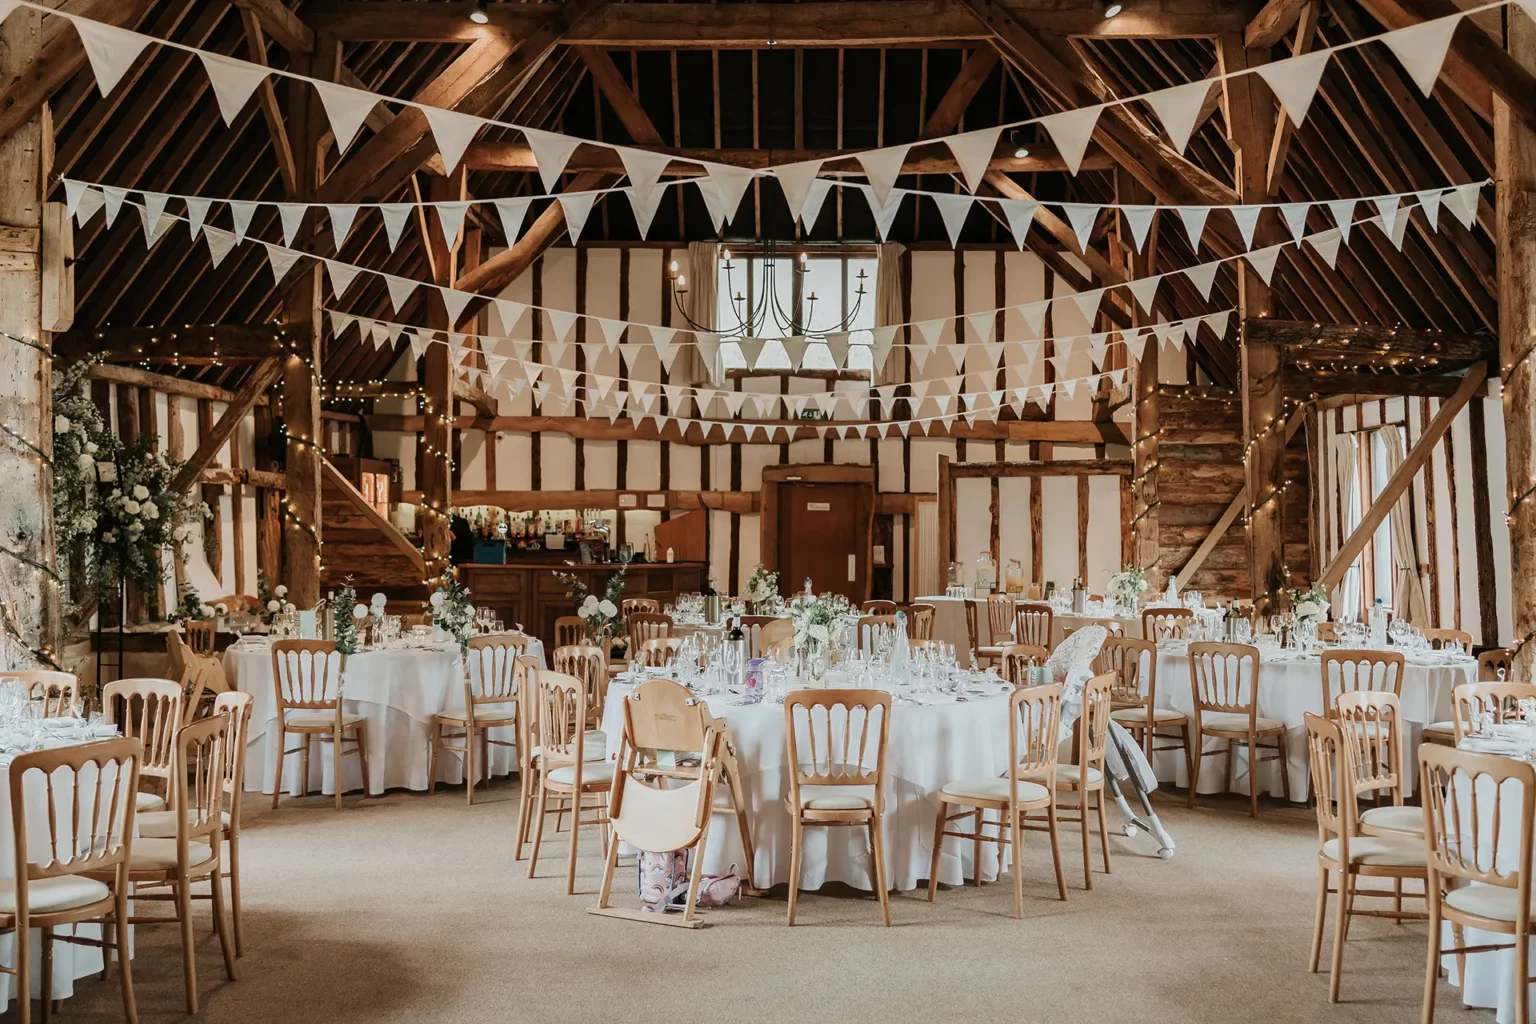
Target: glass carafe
x=1014 y=580
x=986 y=574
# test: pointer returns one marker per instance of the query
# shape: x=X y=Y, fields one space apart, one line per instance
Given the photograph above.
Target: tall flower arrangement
x=599 y=613
x=347 y=614
x=815 y=620
x=1310 y=605
x=452 y=611
x=1128 y=585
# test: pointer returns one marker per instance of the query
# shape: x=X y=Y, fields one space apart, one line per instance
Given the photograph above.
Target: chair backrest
x=660 y=651
x=774 y=632
x=526 y=670
x=661 y=804
x=645 y=625
x=1346 y=671
x=570 y=629
x=1370 y=722
x=236 y=707
x=1018 y=659
x=1495 y=665
x=203 y=674
x=1032 y=623
x=56 y=690
x=1328 y=632
x=1036 y=592
x=630 y=605
x=869 y=628
x=198 y=782
x=1165 y=622
x=1092 y=726
x=590 y=665
x=1332 y=772
x=1472 y=802
x=878 y=607
x=837 y=738
x=662 y=714
x=1225 y=677
x=307 y=673
x=752 y=627
x=178 y=652
x=972 y=625
x=492 y=663
x=1133 y=663
x=1468 y=700
x=920 y=621
x=1034 y=731
x=1439 y=638
x=200 y=635
x=80 y=818
x=147 y=710
x=562 y=717
x=1000 y=618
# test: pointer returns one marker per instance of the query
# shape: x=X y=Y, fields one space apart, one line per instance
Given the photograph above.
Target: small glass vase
x=813 y=663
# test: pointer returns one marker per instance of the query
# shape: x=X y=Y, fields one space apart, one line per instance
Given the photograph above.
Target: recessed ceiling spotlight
x=480 y=16
x=1021 y=152
x=1110 y=9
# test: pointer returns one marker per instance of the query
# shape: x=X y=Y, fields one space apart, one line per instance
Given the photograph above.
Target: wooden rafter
x=606 y=76
x=262 y=377
x=1280 y=147
x=1271 y=24
x=266 y=94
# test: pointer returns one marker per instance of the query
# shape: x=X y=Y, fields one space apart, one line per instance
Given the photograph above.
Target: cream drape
x=888 y=286
x=1345 y=455
x=703 y=286
x=1409 y=589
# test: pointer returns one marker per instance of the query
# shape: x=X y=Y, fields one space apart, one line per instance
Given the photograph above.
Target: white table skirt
x=398 y=692
x=929 y=747
x=1288 y=691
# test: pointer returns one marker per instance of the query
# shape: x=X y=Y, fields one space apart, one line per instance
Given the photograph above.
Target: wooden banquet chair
x=202 y=680
x=868 y=630
x=590 y=665
x=920 y=621
x=630 y=605
x=997 y=630
x=1084 y=776
x=200 y=636
x=1440 y=638
x=570 y=629
x=491 y=700
x=1033 y=623
x=1225 y=683
x=1165 y=623
x=1133 y=696
x=1471 y=802
x=54 y=691
x=1350 y=671
x=660 y=651
x=826 y=788
x=1018 y=659
x=660 y=805
x=195 y=853
x=148 y=710
x=1328 y=632
x=1034 y=719
x=1343 y=850
x=309 y=705
x=565 y=772
x=775 y=632
x=1371 y=723
x=645 y=626
x=878 y=607
x=1493 y=666
x=1468 y=700
x=72 y=823
x=529 y=758
x=753 y=627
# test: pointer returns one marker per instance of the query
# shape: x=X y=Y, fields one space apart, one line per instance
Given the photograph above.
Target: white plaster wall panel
x=892 y=468
x=557 y=461
x=514 y=461
x=754 y=458
x=806 y=451
x=558 y=280
x=720 y=545
x=1013 y=521
x=1492 y=410
x=1103 y=531
x=973 y=519
x=851 y=452
x=751 y=552
x=1058 y=495
x=1066 y=320
x=644 y=465
x=1466 y=528
x=472 y=456
x=925 y=463
x=602 y=464
x=687 y=464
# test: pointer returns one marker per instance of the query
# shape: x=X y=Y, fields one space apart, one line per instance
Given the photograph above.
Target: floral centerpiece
x=763 y=587
x=191 y=606
x=451 y=608
x=274 y=600
x=599 y=613
x=1311 y=605
x=1128 y=585
x=347 y=615
x=815 y=620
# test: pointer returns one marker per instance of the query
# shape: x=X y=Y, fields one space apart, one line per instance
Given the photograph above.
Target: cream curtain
x=1345 y=455
x=1409 y=589
x=703 y=285
x=888 y=287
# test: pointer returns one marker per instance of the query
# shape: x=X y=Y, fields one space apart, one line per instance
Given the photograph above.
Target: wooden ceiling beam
x=1280 y=144
x=171 y=343
x=262 y=377
x=1272 y=23
x=951 y=108
x=1302 y=384
x=606 y=76
x=286 y=28
x=266 y=95
x=1368 y=341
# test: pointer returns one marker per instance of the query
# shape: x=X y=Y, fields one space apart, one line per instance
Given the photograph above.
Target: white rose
x=437 y=599
x=280 y=590
x=61 y=424
x=90 y=446
x=360 y=611
x=116 y=492
x=590 y=604
x=140 y=492
x=221 y=608
x=206 y=611
x=85 y=462
x=586 y=612
x=1307 y=609
x=109 y=537
x=378 y=600
x=130 y=506
x=289 y=608
x=151 y=510
x=607 y=608
x=274 y=606
x=135 y=528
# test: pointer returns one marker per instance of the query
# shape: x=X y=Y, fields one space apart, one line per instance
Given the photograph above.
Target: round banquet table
x=932 y=744
x=70 y=961
x=1291 y=687
x=397 y=691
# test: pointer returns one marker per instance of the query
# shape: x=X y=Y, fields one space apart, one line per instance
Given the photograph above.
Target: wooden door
x=819 y=537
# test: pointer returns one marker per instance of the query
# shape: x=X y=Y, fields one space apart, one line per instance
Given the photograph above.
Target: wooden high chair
x=673 y=756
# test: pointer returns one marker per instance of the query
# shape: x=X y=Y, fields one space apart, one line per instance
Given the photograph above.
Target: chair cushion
x=592 y=771
x=160 y=854
x=989 y=651
x=1138 y=716
x=148 y=802
x=1068 y=773
x=49 y=895
x=995 y=789
x=321 y=720
x=837 y=798
x=1492 y=901
x=1408 y=820
x=593 y=748
x=162 y=824
x=1380 y=851
x=485 y=714
x=1442 y=728
x=1223 y=722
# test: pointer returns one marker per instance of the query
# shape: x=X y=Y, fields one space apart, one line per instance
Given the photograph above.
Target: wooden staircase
x=364 y=548
x=1200 y=476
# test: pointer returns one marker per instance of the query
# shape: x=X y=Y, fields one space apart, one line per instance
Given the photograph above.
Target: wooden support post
x=301 y=421
x=1145 y=542
x=30 y=594
x=437 y=398
x=946 y=550
x=1250 y=120
x=1514 y=144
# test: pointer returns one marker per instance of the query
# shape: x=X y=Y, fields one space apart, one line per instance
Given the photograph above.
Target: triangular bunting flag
x=885 y=213
x=394 y=215
x=1263 y=261
x=452 y=131
x=982 y=325
x=1217 y=322
x=1034 y=314
x=450 y=217
x=510 y=313
x=612 y=330
x=562 y=321
x=511 y=212
x=291 y=215
x=282 y=260
x=155 y=222
x=111 y=50
x=1343 y=211
x=1327 y=245
x=342 y=275
x=551 y=152
x=1294 y=81
x=953 y=209
x=346 y=107
x=1071 y=130
x=1136 y=342
x=796 y=180
x=340 y=322
x=644 y=206
x=1179 y=108
x=1429 y=199
x=1247 y=219
x=929 y=330
x=576 y=206
x=1463 y=202
x=645 y=170
x=1082 y=217
x=197 y=213
x=1088 y=303
x=1194 y=223
x=730 y=184
x=1139 y=218
x=400 y=289
x=882 y=167
x=1203 y=277
x=220 y=242
x=815 y=199
x=1145 y=290
x=73 y=190
x=342 y=216
x=1020 y=214
x=233 y=82
x=1387 y=206
x=1421 y=48
x=454 y=302
x=1295 y=217
x=666 y=349
x=973 y=152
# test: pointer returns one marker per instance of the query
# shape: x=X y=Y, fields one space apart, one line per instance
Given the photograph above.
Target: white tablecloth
x=929 y=747
x=397 y=691
x=949 y=622
x=1290 y=687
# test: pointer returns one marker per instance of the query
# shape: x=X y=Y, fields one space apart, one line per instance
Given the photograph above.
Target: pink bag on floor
x=720 y=890
x=663 y=879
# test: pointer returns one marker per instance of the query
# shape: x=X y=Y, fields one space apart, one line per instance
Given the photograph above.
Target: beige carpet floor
x=409 y=908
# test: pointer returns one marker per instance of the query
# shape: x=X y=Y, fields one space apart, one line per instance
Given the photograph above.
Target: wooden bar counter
x=529 y=592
